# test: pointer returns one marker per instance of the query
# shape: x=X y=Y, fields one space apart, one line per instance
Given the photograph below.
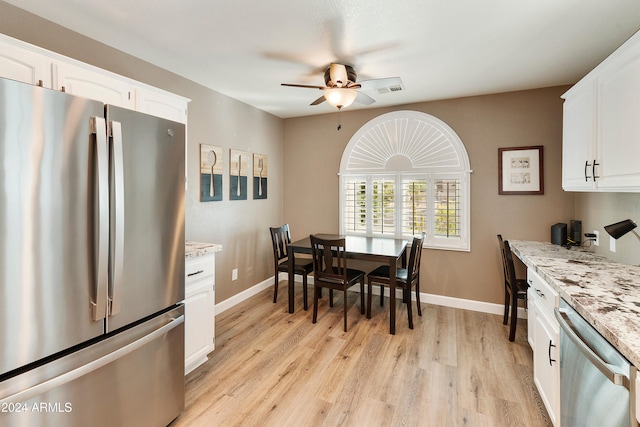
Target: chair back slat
x=510 y=270
x=280 y=238
x=415 y=256
x=329 y=259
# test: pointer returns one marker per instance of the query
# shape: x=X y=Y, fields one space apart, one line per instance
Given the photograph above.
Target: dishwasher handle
x=567 y=326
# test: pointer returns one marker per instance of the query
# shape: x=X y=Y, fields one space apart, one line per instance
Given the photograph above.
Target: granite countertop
x=604 y=292
x=196 y=249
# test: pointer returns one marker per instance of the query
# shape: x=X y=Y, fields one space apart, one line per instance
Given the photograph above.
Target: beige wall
x=599 y=209
x=240 y=226
x=304 y=156
x=313 y=149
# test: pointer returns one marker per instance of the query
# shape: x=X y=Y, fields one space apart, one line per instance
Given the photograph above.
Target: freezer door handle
x=606 y=369
x=99 y=130
x=67 y=377
x=115 y=130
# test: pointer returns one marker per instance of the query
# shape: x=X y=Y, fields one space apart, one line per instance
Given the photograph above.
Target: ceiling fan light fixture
x=340 y=97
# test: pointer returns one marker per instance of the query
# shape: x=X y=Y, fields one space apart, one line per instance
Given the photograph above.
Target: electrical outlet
x=597 y=241
x=234 y=274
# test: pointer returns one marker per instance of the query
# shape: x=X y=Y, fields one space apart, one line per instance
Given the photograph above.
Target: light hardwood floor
x=271 y=368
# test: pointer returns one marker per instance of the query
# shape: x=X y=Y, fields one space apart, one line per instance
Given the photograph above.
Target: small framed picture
x=520 y=170
x=238 y=171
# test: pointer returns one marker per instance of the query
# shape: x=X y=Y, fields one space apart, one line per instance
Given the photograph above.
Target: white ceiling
x=440 y=49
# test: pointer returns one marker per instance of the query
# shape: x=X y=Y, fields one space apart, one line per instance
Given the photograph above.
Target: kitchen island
x=604 y=292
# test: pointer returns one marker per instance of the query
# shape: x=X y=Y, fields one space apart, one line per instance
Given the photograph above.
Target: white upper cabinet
x=88 y=83
x=601 y=129
x=619 y=122
x=31 y=64
x=578 y=139
x=161 y=104
x=23 y=65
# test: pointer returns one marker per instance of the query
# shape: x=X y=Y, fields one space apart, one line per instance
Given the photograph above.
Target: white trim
x=244 y=295
x=464 y=304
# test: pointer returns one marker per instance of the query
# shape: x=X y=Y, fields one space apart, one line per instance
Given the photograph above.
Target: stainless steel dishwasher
x=597 y=384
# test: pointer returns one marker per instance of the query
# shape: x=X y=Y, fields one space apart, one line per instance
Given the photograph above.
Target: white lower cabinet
x=544 y=331
x=199 y=331
x=546 y=364
x=531 y=318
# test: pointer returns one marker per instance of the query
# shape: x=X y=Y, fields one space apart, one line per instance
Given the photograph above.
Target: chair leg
x=506 y=305
x=514 y=319
x=315 y=303
x=418 y=298
x=345 y=309
x=275 y=289
x=381 y=295
x=330 y=297
x=305 y=292
x=407 y=295
x=369 y=289
x=362 y=296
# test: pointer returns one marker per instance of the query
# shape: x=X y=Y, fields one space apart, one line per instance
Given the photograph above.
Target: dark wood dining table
x=376 y=249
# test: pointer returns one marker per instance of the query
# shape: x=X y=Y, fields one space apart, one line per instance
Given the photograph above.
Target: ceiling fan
x=341 y=88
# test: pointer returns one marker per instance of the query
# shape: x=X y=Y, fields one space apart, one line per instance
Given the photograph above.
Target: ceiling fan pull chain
x=339 y=119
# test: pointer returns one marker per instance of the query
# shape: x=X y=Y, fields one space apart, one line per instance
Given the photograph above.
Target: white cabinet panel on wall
x=579 y=138
x=620 y=125
x=17 y=63
x=600 y=125
x=31 y=64
x=161 y=104
x=94 y=84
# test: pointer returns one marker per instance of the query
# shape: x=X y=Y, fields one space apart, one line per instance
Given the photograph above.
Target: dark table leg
x=290 y=284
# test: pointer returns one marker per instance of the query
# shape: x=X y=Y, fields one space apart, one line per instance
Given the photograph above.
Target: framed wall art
x=210 y=173
x=260 y=176
x=520 y=170
x=238 y=172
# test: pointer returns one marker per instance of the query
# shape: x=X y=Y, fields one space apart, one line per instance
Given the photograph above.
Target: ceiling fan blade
x=361 y=98
x=304 y=86
x=384 y=83
x=318 y=101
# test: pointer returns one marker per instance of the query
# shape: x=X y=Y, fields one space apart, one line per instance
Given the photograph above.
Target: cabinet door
x=546 y=364
x=198 y=337
x=578 y=138
x=92 y=84
x=531 y=318
x=161 y=104
x=18 y=63
x=619 y=123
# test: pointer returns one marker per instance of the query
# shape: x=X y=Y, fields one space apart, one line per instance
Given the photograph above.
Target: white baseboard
x=465 y=304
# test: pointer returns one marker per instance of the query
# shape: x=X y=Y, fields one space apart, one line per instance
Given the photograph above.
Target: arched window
x=405 y=173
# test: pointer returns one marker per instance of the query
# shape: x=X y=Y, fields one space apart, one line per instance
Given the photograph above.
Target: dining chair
x=406 y=278
x=280 y=238
x=514 y=289
x=330 y=271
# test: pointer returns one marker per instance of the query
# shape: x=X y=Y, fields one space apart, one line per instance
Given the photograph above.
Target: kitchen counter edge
x=606 y=293
x=198 y=249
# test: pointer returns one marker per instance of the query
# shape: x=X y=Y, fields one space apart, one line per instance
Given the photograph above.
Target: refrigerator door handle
x=118 y=191
x=99 y=129
x=67 y=377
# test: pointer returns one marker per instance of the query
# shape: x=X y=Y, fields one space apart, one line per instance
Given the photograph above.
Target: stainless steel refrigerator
x=91 y=262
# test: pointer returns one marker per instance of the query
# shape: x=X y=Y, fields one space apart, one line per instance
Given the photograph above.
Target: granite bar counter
x=604 y=292
x=196 y=249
